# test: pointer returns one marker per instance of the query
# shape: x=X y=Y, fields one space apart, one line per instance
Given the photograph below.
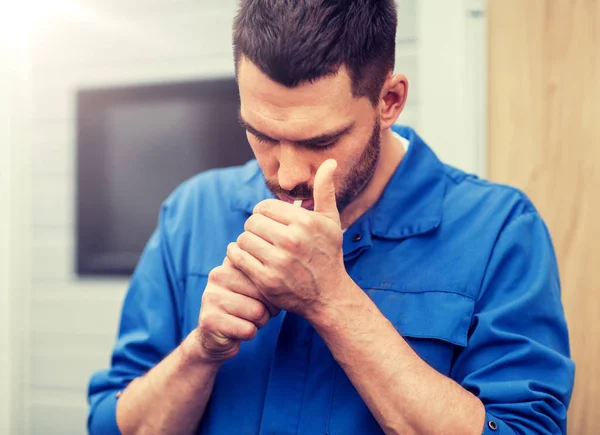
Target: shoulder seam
x=486 y=184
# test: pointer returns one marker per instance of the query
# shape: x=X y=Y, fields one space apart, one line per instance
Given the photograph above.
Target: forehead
x=326 y=103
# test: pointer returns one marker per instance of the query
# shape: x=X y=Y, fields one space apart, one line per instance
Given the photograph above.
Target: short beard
x=354 y=184
x=362 y=172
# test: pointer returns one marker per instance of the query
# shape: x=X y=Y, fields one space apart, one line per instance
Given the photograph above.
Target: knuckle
x=208 y=320
x=305 y=220
x=282 y=262
x=233 y=253
x=259 y=311
x=216 y=275
x=248 y=331
x=264 y=319
x=293 y=242
x=242 y=239
x=209 y=297
x=251 y=222
x=270 y=280
x=258 y=208
x=264 y=206
x=213 y=297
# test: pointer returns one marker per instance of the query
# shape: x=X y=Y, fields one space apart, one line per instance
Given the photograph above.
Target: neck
x=392 y=152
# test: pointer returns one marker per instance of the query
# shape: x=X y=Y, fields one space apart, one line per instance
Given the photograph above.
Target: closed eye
x=263 y=139
x=316 y=147
x=323 y=146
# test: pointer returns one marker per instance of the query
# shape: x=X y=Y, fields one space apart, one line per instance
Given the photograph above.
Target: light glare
x=18 y=19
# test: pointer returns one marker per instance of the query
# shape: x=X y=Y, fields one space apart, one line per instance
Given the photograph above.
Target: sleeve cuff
x=495 y=426
x=103 y=416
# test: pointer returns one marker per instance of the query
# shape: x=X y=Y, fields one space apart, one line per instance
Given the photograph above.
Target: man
x=401 y=296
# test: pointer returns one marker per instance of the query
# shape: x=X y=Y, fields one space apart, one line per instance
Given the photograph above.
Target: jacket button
x=357 y=238
x=493 y=425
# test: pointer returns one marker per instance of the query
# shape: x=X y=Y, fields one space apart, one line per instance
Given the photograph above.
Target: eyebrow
x=310 y=142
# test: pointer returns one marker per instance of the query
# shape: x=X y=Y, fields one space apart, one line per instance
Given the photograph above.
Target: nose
x=293 y=167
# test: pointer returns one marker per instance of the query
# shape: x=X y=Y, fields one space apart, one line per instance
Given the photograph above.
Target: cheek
x=345 y=163
x=347 y=158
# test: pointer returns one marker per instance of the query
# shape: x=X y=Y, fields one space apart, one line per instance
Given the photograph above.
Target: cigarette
x=298 y=203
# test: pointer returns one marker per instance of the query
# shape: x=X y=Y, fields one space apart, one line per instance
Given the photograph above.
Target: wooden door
x=544 y=137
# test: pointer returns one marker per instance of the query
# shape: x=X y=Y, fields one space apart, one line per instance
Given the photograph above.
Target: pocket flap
x=431 y=314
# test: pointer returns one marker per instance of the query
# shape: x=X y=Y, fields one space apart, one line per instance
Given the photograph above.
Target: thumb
x=324 y=191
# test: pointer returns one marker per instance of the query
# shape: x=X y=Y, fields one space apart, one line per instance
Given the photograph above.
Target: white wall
x=74 y=321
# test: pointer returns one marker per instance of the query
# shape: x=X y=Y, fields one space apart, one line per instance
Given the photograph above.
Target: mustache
x=300 y=191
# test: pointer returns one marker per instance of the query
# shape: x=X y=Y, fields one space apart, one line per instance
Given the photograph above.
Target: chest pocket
x=434 y=323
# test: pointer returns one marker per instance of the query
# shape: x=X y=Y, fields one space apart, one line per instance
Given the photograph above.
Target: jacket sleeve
x=517 y=359
x=149 y=329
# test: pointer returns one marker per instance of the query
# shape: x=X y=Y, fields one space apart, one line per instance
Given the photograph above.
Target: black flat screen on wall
x=134 y=146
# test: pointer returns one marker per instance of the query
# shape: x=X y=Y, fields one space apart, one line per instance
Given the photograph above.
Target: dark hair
x=298 y=41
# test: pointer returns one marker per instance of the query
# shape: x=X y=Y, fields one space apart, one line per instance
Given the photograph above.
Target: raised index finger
x=279 y=211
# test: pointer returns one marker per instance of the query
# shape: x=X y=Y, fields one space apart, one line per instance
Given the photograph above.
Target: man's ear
x=393 y=99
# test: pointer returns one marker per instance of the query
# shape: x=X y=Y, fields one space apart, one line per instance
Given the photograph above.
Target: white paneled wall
x=106 y=43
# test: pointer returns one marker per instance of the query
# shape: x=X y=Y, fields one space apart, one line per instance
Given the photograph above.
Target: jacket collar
x=412 y=202
x=410 y=205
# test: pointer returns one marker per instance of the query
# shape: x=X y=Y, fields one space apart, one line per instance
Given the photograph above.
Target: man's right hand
x=232 y=311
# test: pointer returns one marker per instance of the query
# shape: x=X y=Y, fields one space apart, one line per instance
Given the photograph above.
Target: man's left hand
x=294 y=256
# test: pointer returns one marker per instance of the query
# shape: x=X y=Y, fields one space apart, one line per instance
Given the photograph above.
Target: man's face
x=293 y=131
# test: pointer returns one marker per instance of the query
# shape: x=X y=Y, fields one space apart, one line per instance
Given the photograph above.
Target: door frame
x=6 y=330
x=15 y=237
x=453 y=75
